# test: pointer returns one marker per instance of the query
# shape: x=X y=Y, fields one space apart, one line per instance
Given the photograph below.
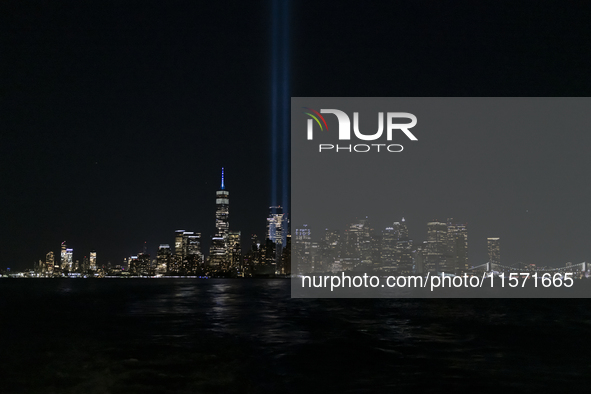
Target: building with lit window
x=92 y=258
x=49 y=263
x=63 y=262
x=275 y=225
x=163 y=259
x=457 y=246
x=302 y=247
x=235 y=253
x=140 y=265
x=68 y=261
x=219 y=256
x=435 y=253
x=494 y=250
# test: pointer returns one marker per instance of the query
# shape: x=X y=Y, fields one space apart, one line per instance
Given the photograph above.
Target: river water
x=249 y=336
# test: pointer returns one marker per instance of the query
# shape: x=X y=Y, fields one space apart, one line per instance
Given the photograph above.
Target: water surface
x=249 y=336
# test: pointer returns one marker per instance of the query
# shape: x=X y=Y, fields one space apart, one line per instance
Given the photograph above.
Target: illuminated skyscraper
x=494 y=250
x=63 y=262
x=164 y=259
x=187 y=258
x=436 y=247
x=301 y=250
x=93 y=266
x=179 y=243
x=330 y=250
x=66 y=261
x=351 y=255
x=193 y=257
x=388 y=250
x=235 y=252
x=219 y=255
x=404 y=248
x=401 y=230
x=69 y=259
x=193 y=244
x=49 y=262
x=222 y=213
x=366 y=244
x=397 y=249
x=457 y=246
x=277 y=229
x=275 y=224
x=140 y=265
x=285 y=267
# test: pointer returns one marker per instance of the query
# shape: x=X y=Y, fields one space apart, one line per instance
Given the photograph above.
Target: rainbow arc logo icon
x=315 y=118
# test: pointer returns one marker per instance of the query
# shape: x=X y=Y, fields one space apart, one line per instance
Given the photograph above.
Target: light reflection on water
x=250 y=336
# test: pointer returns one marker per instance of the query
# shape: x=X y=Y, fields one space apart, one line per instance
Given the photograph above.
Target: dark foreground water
x=248 y=336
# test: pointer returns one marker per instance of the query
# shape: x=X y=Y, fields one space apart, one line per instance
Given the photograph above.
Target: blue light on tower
x=223 y=178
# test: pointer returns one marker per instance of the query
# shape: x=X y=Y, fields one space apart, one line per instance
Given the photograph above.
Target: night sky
x=118 y=116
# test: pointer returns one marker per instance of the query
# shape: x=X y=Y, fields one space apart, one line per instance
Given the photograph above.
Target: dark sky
x=118 y=116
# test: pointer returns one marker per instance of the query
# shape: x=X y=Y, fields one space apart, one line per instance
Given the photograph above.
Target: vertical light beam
x=285 y=132
x=274 y=99
x=280 y=105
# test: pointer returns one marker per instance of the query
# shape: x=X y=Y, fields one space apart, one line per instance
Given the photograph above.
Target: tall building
x=302 y=250
x=436 y=247
x=457 y=246
x=63 y=262
x=494 y=250
x=285 y=268
x=49 y=262
x=367 y=246
x=404 y=248
x=192 y=244
x=235 y=253
x=397 y=249
x=192 y=257
x=163 y=259
x=401 y=229
x=68 y=260
x=140 y=265
x=328 y=259
x=218 y=252
x=253 y=257
x=388 y=250
x=179 y=243
x=277 y=225
x=131 y=264
x=93 y=266
x=187 y=258
x=351 y=255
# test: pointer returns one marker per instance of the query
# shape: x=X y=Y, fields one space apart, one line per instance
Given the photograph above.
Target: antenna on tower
x=222 y=178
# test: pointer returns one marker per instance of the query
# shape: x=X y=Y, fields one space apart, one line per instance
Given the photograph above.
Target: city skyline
x=444 y=249
x=222 y=248
x=277 y=229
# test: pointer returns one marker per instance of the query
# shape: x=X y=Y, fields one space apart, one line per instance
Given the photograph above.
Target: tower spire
x=223 y=178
